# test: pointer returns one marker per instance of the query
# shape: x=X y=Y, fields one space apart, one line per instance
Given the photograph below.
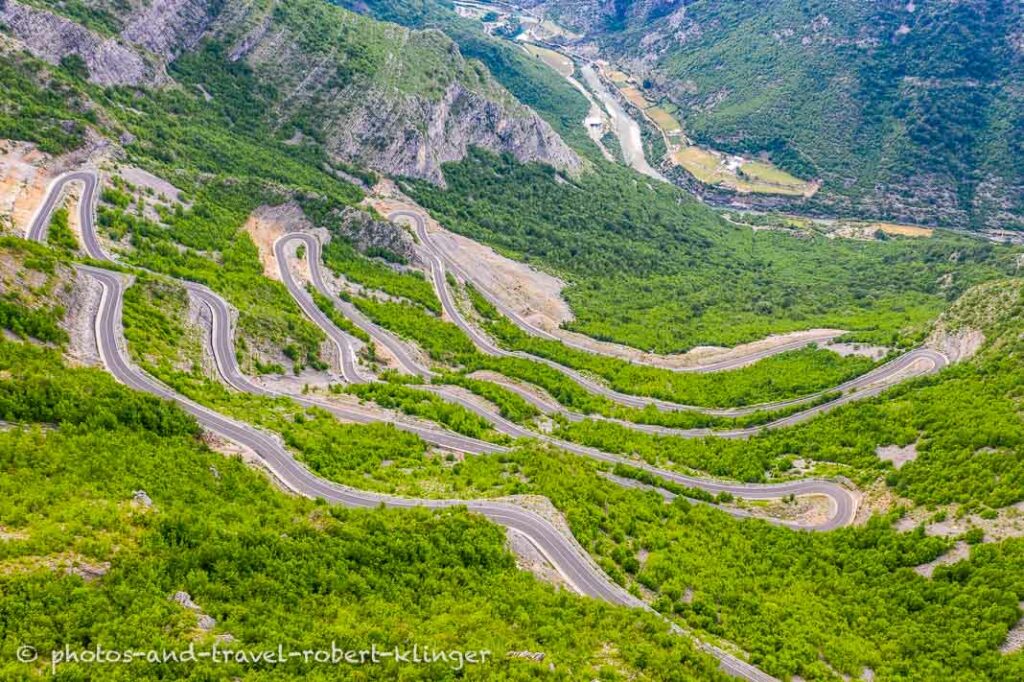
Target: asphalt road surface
x=564 y=554
x=916 y=362
x=843 y=502
x=567 y=557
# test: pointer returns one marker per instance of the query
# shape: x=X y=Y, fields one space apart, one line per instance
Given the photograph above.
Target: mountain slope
x=533 y=83
x=907 y=111
x=398 y=101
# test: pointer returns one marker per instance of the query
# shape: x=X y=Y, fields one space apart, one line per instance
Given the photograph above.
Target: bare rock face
x=375 y=115
x=52 y=38
x=412 y=137
x=376 y=118
x=366 y=233
x=169 y=27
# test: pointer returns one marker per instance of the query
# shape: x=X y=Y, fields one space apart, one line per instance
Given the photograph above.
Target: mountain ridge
x=398 y=101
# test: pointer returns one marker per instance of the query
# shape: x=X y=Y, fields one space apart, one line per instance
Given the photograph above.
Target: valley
x=552 y=44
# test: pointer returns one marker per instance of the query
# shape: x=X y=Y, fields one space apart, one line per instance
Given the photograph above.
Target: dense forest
x=84 y=565
x=893 y=619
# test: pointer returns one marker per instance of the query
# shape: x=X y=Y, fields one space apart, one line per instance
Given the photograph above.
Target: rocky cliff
x=401 y=102
x=52 y=38
x=412 y=136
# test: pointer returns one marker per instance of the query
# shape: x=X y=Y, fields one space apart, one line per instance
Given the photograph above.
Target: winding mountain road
x=345 y=344
x=916 y=362
x=843 y=502
x=565 y=554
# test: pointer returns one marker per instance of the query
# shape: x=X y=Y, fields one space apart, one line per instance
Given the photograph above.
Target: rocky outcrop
x=391 y=114
x=52 y=38
x=154 y=33
x=398 y=101
x=412 y=137
x=368 y=234
x=169 y=27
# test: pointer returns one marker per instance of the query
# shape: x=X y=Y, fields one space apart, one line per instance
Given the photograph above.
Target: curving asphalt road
x=345 y=344
x=565 y=554
x=843 y=502
x=915 y=362
x=398 y=349
x=223 y=347
x=314 y=257
x=568 y=557
x=869 y=384
x=40 y=225
x=570 y=560
x=436 y=253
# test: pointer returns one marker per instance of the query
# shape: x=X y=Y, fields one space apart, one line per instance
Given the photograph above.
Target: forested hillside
x=218 y=130
x=113 y=506
x=682 y=276
x=907 y=111
x=368 y=93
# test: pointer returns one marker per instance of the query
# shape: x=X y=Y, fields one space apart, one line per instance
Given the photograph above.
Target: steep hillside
x=907 y=111
x=395 y=100
x=533 y=83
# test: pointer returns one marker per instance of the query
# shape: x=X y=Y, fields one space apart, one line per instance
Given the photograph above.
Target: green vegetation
x=887 y=604
x=254 y=558
x=41 y=105
x=269 y=318
x=420 y=403
x=411 y=285
x=653 y=269
x=880 y=615
x=59 y=233
x=42 y=324
x=866 y=97
x=272 y=568
x=964 y=423
x=445 y=343
x=225 y=160
x=36 y=388
x=416 y=63
x=326 y=306
x=510 y=405
x=27 y=306
x=153 y=315
x=782 y=376
x=88 y=14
